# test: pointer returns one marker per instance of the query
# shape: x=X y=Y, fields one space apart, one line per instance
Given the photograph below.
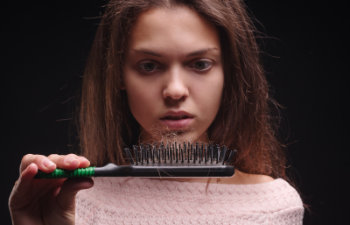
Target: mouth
x=177 y=120
x=180 y=117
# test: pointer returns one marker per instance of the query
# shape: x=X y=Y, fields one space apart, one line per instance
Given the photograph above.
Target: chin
x=180 y=136
x=165 y=135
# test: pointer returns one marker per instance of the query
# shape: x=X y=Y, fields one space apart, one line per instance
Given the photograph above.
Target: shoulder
x=278 y=200
x=265 y=191
x=267 y=187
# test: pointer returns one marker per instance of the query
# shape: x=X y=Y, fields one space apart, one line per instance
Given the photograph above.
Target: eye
x=201 y=65
x=148 y=66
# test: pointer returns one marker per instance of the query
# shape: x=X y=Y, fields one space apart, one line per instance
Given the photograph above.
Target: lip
x=177 y=120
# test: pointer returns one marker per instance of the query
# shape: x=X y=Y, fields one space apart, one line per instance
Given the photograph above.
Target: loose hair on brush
x=244 y=121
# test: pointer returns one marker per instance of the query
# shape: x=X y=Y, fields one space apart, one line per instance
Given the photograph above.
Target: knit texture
x=153 y=201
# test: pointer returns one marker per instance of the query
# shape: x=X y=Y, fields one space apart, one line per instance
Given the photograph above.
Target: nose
x=175 y=87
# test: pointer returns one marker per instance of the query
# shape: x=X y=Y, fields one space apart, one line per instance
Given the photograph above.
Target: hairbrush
x=170 y=160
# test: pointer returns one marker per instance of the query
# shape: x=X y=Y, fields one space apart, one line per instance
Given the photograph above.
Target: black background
x=45 y=45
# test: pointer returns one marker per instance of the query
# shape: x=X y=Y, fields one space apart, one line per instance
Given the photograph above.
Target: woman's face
x=173 y=74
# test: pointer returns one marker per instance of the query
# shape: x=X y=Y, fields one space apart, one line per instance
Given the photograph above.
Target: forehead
x=175 y=27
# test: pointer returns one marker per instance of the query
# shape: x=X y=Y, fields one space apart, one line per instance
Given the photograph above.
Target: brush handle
x=112 y=170
x=60 y=173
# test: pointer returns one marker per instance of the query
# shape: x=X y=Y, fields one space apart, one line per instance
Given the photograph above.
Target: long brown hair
x=244 y=121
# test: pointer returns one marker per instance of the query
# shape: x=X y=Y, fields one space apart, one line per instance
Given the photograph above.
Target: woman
x=168 y=70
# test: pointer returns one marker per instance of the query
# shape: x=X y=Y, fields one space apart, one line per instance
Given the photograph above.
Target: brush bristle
x=179 y=154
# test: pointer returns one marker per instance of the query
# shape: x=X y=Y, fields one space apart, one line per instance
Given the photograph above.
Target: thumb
x=66 y=196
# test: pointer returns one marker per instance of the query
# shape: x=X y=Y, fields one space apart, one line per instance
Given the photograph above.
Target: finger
x=66 y=196
x=28 y=190
x=84 y=162
x=28 y=174
x=22 y=186
x=43 y=163
x=70 y=161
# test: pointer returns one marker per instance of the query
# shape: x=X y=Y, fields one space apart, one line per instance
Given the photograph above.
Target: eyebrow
x=202 y=51
x=191 y=54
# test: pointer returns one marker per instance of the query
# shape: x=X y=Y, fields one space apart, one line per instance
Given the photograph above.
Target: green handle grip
x=60 y=173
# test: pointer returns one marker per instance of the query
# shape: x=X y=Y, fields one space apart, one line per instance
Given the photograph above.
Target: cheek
x=141 y=99
x=209 y=97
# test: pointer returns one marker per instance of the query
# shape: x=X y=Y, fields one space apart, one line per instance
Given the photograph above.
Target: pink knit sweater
x=147 y=201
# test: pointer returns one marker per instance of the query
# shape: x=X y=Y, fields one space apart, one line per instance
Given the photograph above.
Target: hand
x=46 y=201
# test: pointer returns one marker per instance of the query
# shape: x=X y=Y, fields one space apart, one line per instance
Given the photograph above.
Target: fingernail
x=48 y=164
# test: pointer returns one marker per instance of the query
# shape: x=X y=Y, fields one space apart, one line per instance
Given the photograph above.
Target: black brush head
x=179 y=154
x=163 y=160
